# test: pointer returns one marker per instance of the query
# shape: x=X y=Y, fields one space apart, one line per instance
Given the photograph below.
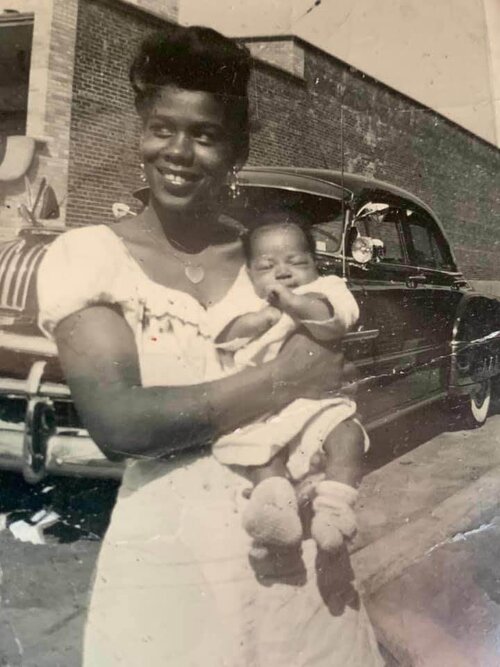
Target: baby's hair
x=196 y=58
x=275 y=219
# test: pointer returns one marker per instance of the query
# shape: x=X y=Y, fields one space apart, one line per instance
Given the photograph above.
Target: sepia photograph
x=249 y=333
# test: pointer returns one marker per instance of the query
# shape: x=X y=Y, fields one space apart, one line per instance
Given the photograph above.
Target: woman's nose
x=179 y=148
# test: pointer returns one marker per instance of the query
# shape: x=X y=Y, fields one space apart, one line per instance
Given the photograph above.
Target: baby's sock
x=272 y=516
x=334 y=520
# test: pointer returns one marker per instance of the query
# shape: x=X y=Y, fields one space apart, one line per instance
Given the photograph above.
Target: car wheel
x=473 y=410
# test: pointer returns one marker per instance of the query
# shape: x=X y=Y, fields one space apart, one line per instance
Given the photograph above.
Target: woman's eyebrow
x=202 y=123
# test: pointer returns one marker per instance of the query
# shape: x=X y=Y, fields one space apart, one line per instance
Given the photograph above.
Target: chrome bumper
x=37 y=446
x=66 y=454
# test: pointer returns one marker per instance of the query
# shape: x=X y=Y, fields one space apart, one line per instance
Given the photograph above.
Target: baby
x=288 y=293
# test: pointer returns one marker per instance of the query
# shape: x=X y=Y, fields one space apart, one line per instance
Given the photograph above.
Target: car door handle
x=413 y=281
x=364 y=334
x=460 y=282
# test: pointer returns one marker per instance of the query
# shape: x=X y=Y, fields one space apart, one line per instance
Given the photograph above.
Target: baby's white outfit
x=303 y=425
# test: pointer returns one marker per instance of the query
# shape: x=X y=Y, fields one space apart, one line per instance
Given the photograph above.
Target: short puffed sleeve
x=82 y=267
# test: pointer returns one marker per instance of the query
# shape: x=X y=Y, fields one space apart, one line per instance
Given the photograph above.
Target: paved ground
x=444 y=608
x=444 y=611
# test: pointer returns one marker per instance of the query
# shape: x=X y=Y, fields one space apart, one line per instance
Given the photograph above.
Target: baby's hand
x=280 y=296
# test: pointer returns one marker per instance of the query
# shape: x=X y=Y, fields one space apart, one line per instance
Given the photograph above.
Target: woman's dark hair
x=279 y=218
x=197 y=58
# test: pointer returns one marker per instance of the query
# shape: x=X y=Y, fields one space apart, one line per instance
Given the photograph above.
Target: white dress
x=173 y=585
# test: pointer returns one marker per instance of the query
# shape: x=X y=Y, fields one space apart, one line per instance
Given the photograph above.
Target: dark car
x=424 y=335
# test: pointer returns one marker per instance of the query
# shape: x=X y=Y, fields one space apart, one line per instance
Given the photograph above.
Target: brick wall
x=385 y=135
x=54 y=154
x=104 y=164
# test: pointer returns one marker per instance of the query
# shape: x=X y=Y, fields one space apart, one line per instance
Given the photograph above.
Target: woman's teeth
x=175 y=178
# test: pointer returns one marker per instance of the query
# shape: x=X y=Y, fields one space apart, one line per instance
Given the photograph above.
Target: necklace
x=193 y=272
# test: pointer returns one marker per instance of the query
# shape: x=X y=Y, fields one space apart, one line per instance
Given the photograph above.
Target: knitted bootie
x=272 y=517
x=334 y=520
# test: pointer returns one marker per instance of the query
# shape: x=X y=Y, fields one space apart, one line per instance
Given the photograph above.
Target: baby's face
x=280 y=255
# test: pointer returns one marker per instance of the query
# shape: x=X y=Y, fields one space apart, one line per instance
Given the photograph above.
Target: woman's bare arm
x=98 y=354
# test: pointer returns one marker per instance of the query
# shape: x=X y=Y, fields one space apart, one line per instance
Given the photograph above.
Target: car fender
x=475 y=344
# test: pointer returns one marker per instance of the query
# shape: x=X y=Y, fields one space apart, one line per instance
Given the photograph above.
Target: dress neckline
x=133 y=261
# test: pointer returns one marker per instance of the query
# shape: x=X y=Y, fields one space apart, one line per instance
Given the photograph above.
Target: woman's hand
x=309 y=369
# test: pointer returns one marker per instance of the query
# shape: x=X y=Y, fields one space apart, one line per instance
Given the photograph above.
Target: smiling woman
x=130 y=309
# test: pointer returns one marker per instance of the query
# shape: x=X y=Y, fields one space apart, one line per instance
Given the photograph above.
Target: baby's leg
x=344 y=450
x=334 y=520
x=276 y=467
x=272 y=515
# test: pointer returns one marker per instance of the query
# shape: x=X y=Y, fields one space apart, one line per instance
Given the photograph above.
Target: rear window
x=323 y=214
x=426 y=246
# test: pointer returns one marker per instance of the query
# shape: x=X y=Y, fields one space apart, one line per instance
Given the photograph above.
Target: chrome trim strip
x=26 y=271
x=489 y=338
x=394 y=356
x=8 y=268
x=30 y=344
x=16 y=278
x=400 y=412
x=13 y=387
x=5 y=249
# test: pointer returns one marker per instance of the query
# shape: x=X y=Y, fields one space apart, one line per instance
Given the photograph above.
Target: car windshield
x=324 y=214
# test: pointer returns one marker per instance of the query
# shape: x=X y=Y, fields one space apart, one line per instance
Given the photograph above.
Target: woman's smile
x=179 y=183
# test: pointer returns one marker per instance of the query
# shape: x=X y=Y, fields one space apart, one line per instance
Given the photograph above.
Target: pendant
x=194 y=273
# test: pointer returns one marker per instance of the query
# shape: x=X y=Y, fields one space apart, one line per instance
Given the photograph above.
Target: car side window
x=385 y=227
x=425 y=248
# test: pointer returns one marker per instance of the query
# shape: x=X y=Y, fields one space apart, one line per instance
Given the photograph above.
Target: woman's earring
x=143 y=175
x=234 y=188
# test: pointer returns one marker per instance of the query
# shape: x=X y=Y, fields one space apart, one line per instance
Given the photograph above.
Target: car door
x=358 y=345
x=439 y=288
x=392 y=303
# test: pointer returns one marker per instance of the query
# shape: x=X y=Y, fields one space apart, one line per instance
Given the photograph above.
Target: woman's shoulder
x=81 y=267
x=81 y=239
x=94 y=249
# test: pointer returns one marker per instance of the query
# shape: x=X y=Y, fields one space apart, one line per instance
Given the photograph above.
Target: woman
x=128 y=307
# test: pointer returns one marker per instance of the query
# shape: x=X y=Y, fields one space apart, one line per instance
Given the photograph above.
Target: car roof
x=317 y=181
x=352 y=184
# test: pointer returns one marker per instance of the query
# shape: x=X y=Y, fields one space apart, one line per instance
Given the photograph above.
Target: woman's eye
x=161 y=131
x=207 y=138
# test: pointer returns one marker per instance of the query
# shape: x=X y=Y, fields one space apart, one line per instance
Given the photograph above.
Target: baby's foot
x=272 y=516
x=334 y=520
